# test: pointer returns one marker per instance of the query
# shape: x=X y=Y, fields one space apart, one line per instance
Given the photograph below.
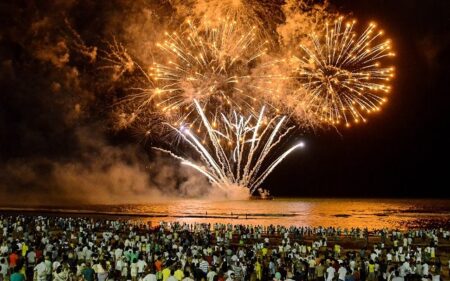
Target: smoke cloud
x=56 y=142
x=102 y=174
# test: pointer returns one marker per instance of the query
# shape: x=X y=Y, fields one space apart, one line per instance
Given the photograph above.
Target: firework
x=236 y=157
x=132 y=112
x=206 y=83
x=343 y=72
x=212 y=66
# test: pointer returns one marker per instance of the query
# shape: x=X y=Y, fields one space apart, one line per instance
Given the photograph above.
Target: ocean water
x=344 y=213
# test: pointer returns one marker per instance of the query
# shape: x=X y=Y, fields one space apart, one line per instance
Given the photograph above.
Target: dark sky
x=51 y=118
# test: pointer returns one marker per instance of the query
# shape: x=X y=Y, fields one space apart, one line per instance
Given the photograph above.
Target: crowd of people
x=72 y=248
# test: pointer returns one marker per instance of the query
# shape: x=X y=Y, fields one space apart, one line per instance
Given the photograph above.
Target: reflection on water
x=371 y=213
x=344 y=213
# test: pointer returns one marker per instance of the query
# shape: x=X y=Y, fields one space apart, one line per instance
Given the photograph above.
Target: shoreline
x=344 y=220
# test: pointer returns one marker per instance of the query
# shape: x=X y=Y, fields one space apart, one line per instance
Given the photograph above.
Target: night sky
x=53 y=128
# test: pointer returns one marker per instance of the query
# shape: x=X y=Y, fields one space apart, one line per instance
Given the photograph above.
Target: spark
x=117 y=60
x=344 y=72
x=237 y=155
x=213 y=66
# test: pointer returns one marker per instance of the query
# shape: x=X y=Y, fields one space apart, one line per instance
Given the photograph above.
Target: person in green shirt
x=88 y=273
x=17 y=276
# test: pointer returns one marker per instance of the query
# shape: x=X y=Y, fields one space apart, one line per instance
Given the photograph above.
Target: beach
x=81 y=242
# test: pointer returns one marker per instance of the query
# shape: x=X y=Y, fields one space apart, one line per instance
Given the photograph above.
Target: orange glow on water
x=344 y=213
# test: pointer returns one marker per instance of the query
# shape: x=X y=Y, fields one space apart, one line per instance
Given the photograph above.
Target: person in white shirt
x=31 y=257
x=3 y=267
x=436 y=277
x=407 y=267
x=330 y=273
x=151 y=276
x=373 y=256
x=55 y=265
x=118 y=253
x=342 y=272
x=425 y=269
x=389 y=257
x=141 y=264
x=4 y=248
x=397 y=277
x=41 y=270
x=211 y=274
x=134 y=270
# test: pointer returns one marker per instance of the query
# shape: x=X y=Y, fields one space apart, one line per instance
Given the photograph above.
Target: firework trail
x=117 y=60
x=343 y=72
x=237 y=157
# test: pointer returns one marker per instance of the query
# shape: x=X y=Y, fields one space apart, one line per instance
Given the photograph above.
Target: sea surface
x=344 y=213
